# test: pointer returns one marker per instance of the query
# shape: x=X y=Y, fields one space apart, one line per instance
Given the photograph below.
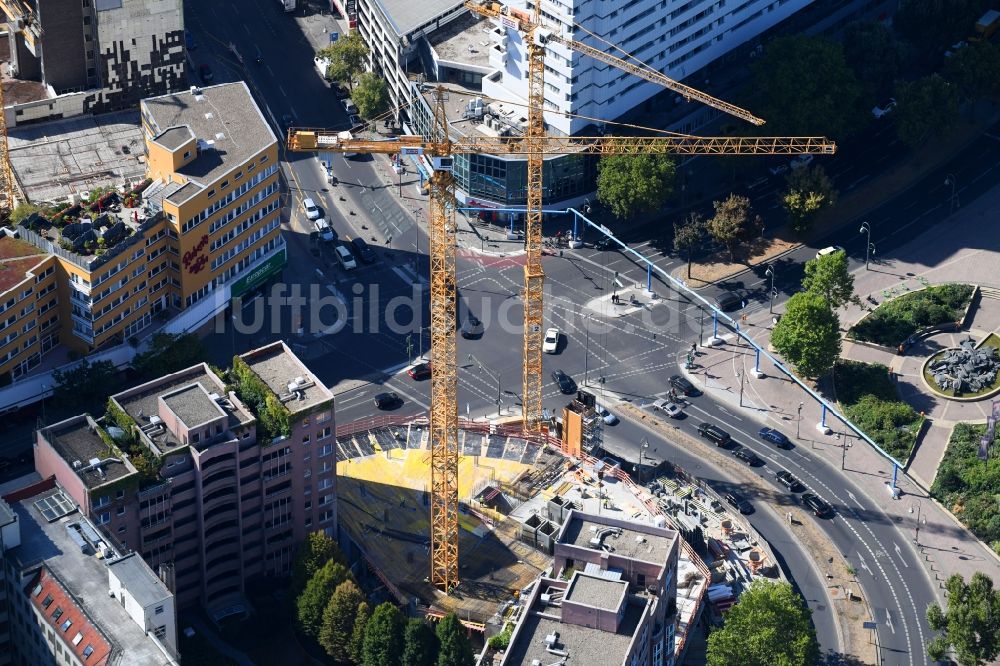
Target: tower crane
x=535 y=144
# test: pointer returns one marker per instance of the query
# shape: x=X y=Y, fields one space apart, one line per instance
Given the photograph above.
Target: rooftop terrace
x=464 y=40
x=279 y=368
x=77 y=442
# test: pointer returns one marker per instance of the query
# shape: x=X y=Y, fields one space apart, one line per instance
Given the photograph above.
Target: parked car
x=671 y=409
x=739 y=503
x=189 y=41
x=472 y=328
x=363 y=250
x=778 y=169
x=551 y=341
x=833 y=249
x=605 y=414
x=312 y=211
x=205 y=73
x=885 y=108
x=420 y=371
x=714 y=433
x=800 y=161
x=355 y=120
x=728 y=301
x=776 y=437
x=564 y=382
x=349 y=106
x=817 y=504
x=747 y=456
x=387 y=400
x=345 y=258
x=786 y=479
x=683 y=385
x=324 y=230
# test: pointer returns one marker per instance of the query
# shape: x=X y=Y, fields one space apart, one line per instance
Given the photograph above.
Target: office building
x=213 y=491
x=610 y=601
x=29 y=320
x=71 y=598
x=71 y=57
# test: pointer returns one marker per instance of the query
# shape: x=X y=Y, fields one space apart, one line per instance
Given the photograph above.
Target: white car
x=668 y=407
x=885 y=108
x=826 y=251
x=603 y=412
x=551 y=341
x=309 y=206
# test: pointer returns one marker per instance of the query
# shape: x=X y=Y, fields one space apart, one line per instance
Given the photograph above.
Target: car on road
x=786 y=479
x=564 y=382
x=551 y=341
x=363 y=250
x=747 y=456
x=728 y=301
x=833 y=249
x=349 y=106
x=778 y=169
x=340 y=91
x=312 y=211
x=325 y=231
x=420 y=371
x=387 y=400
x=605 y=414
x=739 y=503
x=714 y=433
x=605 y=243
x=355 y=120
x=683 y=385
x=775 y=437
x=668 y=407
x=885 y=108
x=345 y=258
x=472 y=328
x=205 y=73
x=189 y=41
x=752 y=184
x=287 y=121
x=817 y=505
x=800 y=161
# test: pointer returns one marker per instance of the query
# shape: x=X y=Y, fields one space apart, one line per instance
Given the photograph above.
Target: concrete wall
x=64 y=64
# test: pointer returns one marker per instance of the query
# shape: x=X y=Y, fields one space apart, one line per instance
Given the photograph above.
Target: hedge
x=969 y=486
x=893 y=322
x=273 y=418
x=869 y=399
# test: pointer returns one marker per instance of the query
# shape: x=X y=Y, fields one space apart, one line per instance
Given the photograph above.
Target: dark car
x=747 y=456
x=714 y=433
x=564 y=382
x=728 y=301
x=189 y=41
x=205 y=72
x=739 y=503
x=817 y=504
x=683 y=385
x=420 y=371
x=363 y=250
x=776 y=437
x=387 y=400
x=472 y=328
x=786 y=479
x=605 y=243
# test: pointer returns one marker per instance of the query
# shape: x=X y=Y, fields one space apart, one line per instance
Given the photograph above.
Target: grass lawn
x=991 y=341
x=969 y=486
x=894 y=321
x=869 y=399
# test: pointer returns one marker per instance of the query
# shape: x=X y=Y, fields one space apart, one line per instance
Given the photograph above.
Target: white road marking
x=899 y=554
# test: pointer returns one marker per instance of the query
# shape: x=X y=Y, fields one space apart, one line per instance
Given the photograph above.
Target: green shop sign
x=259 y=274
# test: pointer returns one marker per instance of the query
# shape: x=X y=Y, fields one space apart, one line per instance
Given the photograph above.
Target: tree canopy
x=926 y=106
x=85 y=383
x=357 y=645
x=337 y=625
x=768 y=626
x=808 y=334
x=312 y=554
x=802 y=86
x=455 y=649
x=370 y=95
x=975 y=69
x=316 y=595
x=688 y=236
x=420 y=644
x=874 y=54
x=809 y=191
x=830 y=277
x=970 y=624
x=347 y=59
x=732 y=222
x=932 y=25
x=383 y=644
x=167 y=353
x=631 y=185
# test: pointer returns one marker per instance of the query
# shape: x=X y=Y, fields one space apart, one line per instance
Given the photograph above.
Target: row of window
x=229 y=198
x=250 y=221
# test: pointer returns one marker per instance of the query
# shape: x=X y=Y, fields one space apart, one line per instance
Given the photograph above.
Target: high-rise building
x=91 y=56
x=210 y=487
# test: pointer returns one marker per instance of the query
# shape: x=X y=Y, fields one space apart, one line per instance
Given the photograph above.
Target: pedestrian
x=694 y=347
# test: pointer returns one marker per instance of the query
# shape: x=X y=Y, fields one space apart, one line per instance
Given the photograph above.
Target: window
x=66 y=625
x=305 y=439
x=47 y=602
x=77 y=638
x=38 y=590
x=160 y=631
x=187 y=154
x=158 y=609
x=87 y=651
x=120 y=494
x=57 y=614
x=121 y=511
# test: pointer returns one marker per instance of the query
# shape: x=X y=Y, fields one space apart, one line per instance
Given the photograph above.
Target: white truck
x=287 y=5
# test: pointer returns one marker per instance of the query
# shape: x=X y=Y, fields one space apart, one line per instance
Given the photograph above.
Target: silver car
x=668 y=407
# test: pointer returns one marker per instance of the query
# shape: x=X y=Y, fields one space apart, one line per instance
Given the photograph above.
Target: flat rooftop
x=585 y=646
x=408 y=15
x=192 y=405
x=83 y=575
x=595 y=591
x=277 y=366
x=53 y=160
x=16 y=258
x=635 y=544
x=76 y=439
x=226 y=121
x=139 y=580
x=142 y=402
x=464 y=40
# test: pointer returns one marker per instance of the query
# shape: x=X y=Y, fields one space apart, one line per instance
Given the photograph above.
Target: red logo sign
x=194 y=260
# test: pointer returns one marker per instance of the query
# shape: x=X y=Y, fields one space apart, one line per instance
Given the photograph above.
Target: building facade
x=94 y=56
x=29 y=298
x=213 y=492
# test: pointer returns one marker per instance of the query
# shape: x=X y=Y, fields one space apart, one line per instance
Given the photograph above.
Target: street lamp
x=798 y=421
x=953 y=201
x=843 y=453
x=866 y=229
x=770 y=273
x=916 y=531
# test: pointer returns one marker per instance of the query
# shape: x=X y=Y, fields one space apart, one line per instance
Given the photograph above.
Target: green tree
x=688 y=236
x=975 y=70
x=356 y=648
x=809 y=191
x=338 y=621
x=926 y=106
x=971 y=624
x=803 y=86
x=873 y=53
x=84 y=383
x=830 y=277
x=732 y=222
x=312 y=554
x=370 y=95
x=347 y=58
x=420 y=644
x=22 y=211
x=931 y=25
x=808 y=334
x=768 y=626
x=383 y=644
x=315 y=597
x=167 y=353
x=455 y=648
x=631 y=185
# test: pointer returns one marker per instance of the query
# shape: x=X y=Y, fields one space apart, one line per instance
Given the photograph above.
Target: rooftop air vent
x=94 y=461
x=77 y=464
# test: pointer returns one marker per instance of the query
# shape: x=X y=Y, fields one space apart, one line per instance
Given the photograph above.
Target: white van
x=322 y=227
x=346 y=258
x=322 y=65
x=349 y=107
x=833 y=249
x=309 y=206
